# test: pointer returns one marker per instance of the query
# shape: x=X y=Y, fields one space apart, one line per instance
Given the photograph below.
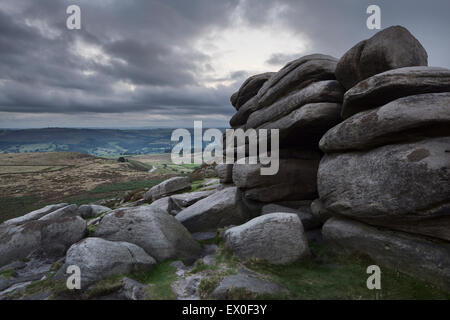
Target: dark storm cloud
x=149 y=46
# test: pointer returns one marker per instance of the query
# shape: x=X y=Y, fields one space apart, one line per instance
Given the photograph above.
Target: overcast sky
x=170 y=62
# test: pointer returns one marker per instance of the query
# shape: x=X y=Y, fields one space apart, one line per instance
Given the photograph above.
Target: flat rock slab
x=322 y=91
x=305 y=126
x=295 y=179
x=413 y=255
x=401 y=120
x=221 y=209
x=68 y=211
x=185 y=200
x=35 y=215
x=385 y=87
x=167 y=188
x=297 y=75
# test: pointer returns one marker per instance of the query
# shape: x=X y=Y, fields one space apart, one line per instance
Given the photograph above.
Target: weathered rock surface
x=88 y=211
x=133 y=290
x=250 y=88
x=35 y=215
x=240 y=118
x=51 y=237
x=309 y=222
x=167 y=188
x=401 y=120
x=164 y=205
x=413 y=255
x=300 y=170
x=68 y=211
x=297 y=75
x=385 y=87
x=305 y=126
x=233 y=98
x=221 y=209
x=98 y=258
x=319 y=212
x=392 y=48
x=322 y=91
x=404 y=187
x=278 y=238
x=185 y=200
x=253 y=286
x=158 y=233
x=295 y=180
x=225 y=172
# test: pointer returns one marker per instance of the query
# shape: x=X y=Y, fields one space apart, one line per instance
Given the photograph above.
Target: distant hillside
x=98 y=142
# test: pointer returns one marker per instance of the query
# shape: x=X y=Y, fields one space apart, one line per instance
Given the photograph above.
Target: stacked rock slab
x=302 y=100
x=388 y=163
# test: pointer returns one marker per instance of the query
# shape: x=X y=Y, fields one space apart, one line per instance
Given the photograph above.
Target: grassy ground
x=32 y=180
x=159 y=281
x=325 y=276
x=16 y=206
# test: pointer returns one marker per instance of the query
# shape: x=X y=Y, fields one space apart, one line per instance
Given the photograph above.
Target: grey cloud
x=278 y=59
x=151 y=46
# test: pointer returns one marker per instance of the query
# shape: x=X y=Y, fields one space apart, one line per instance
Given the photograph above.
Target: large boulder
x=278 y=238
x=37 y=214
x=403 y=119
x=158 y=233
x=221 y=209
x=88 y=211
x=68 y=211
x=167 y=188
x=392 y=48
x=402 y=186
x=250 y=88
x=413 y=255
x=391 y=85
x=322 y=91
x=297 y=75
x=49 y=237
x=98 y=258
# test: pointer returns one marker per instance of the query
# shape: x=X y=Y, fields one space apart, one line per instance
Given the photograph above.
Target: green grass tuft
x=159 y=281
x=7 y=274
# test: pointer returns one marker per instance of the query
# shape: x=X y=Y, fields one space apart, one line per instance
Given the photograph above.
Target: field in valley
x=31 y=180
